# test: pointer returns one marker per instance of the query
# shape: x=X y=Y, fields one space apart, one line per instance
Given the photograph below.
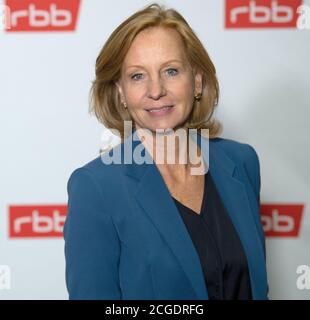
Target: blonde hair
x=105 y=101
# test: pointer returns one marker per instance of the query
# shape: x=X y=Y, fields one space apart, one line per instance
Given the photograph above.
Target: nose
x=156 y=88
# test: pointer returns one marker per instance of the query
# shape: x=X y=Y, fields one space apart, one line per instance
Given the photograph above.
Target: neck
x=171 y=151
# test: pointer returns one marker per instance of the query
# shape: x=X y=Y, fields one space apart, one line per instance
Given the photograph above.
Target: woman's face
x=157 y=82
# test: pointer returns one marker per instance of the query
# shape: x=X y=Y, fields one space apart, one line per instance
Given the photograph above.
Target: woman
x=158 y=230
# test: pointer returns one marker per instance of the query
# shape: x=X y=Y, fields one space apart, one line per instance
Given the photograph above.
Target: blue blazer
x=125 y=239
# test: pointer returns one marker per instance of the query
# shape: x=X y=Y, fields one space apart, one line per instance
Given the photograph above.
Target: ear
x=119 y=87
x=198 y=82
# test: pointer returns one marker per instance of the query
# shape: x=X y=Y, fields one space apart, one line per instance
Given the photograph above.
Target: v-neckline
x=202 y=202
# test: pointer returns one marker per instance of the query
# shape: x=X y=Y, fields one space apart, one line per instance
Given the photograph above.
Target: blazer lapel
x=153 y=195
x=235 y=198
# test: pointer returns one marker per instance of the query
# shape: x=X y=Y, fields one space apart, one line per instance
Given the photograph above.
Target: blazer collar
x=162 y=211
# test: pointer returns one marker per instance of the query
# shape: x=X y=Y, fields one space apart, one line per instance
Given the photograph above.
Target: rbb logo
x=261 y=13
x=40 y=15
x=36 y=221
x=281 y=220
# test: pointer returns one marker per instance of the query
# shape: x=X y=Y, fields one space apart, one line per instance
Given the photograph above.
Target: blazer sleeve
x=92 y=246
x=253 y=169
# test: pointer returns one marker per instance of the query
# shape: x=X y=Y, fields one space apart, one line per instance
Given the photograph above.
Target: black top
x=219 y=248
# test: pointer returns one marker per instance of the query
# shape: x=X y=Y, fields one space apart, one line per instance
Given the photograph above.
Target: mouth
x=160 y=110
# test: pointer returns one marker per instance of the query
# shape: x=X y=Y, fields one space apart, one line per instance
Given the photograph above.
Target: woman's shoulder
x=101 y=169
x=243 y=155
x=236 y=150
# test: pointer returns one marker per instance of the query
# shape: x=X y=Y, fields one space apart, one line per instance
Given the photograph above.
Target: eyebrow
x=165 y=63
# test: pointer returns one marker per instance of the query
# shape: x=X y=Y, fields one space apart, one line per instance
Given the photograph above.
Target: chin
x=162 y=127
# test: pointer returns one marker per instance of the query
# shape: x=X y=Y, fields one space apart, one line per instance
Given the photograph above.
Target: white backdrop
x=46 y=131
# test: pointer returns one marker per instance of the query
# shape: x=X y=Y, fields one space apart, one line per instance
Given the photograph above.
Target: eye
x=172 y=71
x=137 y=76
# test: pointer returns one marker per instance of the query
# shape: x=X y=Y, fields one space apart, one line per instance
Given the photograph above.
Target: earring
x=124 y=104
x=198 y=96
x=123 y=101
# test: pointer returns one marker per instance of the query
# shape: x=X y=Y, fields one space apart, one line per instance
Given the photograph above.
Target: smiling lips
x=154 y=110
x=160 y=111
